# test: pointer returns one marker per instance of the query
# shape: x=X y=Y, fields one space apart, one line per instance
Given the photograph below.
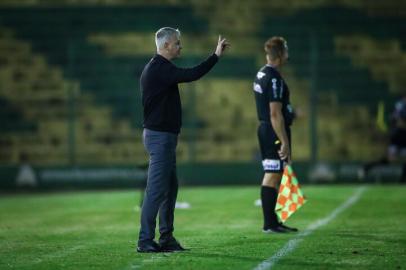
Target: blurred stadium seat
x=46 y=50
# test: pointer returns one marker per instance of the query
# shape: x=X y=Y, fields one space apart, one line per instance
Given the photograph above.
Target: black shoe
x=289 y=229
x=170 y=245
x=276 y=229
x=148 y=248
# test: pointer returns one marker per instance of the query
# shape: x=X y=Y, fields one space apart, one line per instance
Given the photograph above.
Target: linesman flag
x=290 y=197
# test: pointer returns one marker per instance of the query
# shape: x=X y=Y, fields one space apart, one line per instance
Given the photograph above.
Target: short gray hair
x=164 y=34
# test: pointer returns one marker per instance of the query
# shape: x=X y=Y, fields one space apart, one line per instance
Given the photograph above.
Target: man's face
x=173 y=46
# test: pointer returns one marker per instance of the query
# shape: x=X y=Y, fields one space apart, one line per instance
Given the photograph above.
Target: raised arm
x=179 y=75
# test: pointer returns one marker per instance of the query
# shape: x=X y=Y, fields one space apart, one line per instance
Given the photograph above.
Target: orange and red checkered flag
x=290 y=197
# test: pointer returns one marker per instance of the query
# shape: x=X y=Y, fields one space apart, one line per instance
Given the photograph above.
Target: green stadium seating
x=48 y=49
x=34 y=113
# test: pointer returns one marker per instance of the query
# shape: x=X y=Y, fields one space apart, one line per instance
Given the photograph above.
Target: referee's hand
x=222 y=45
x=284 y=153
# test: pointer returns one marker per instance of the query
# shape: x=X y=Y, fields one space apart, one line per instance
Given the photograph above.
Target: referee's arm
x=278 y=124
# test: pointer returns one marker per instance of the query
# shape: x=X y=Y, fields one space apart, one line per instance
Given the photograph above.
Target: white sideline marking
x=291 y=244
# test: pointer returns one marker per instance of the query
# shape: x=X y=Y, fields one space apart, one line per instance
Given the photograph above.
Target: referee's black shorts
x=269 y=145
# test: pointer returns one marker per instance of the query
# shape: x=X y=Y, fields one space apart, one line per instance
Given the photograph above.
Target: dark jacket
x=160 y=93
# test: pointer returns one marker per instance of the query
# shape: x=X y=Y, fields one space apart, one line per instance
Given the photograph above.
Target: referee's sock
x=269 y=195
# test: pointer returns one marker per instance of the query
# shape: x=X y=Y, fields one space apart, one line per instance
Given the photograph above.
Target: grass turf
x=98 y=230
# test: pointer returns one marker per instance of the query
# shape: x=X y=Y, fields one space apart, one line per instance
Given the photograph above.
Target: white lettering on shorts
x=271 y=164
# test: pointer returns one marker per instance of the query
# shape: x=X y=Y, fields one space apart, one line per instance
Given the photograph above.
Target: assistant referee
x=275 y=115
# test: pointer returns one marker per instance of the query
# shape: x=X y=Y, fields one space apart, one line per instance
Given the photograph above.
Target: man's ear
x=268 y=58
x=166 y=45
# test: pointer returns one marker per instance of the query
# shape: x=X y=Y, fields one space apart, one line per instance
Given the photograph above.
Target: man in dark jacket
x=162 y=123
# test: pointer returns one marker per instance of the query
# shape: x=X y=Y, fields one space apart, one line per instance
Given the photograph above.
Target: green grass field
x=98 y=230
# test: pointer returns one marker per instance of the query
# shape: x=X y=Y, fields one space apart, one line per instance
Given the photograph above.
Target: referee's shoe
x=274 y=229
x=286 y=228
x=280 y=228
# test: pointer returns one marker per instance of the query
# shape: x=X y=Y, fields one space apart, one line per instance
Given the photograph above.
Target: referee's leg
x=273 y=167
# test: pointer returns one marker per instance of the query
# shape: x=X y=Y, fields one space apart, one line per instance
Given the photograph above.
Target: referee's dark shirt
x=160 y=93
x=270 y=87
